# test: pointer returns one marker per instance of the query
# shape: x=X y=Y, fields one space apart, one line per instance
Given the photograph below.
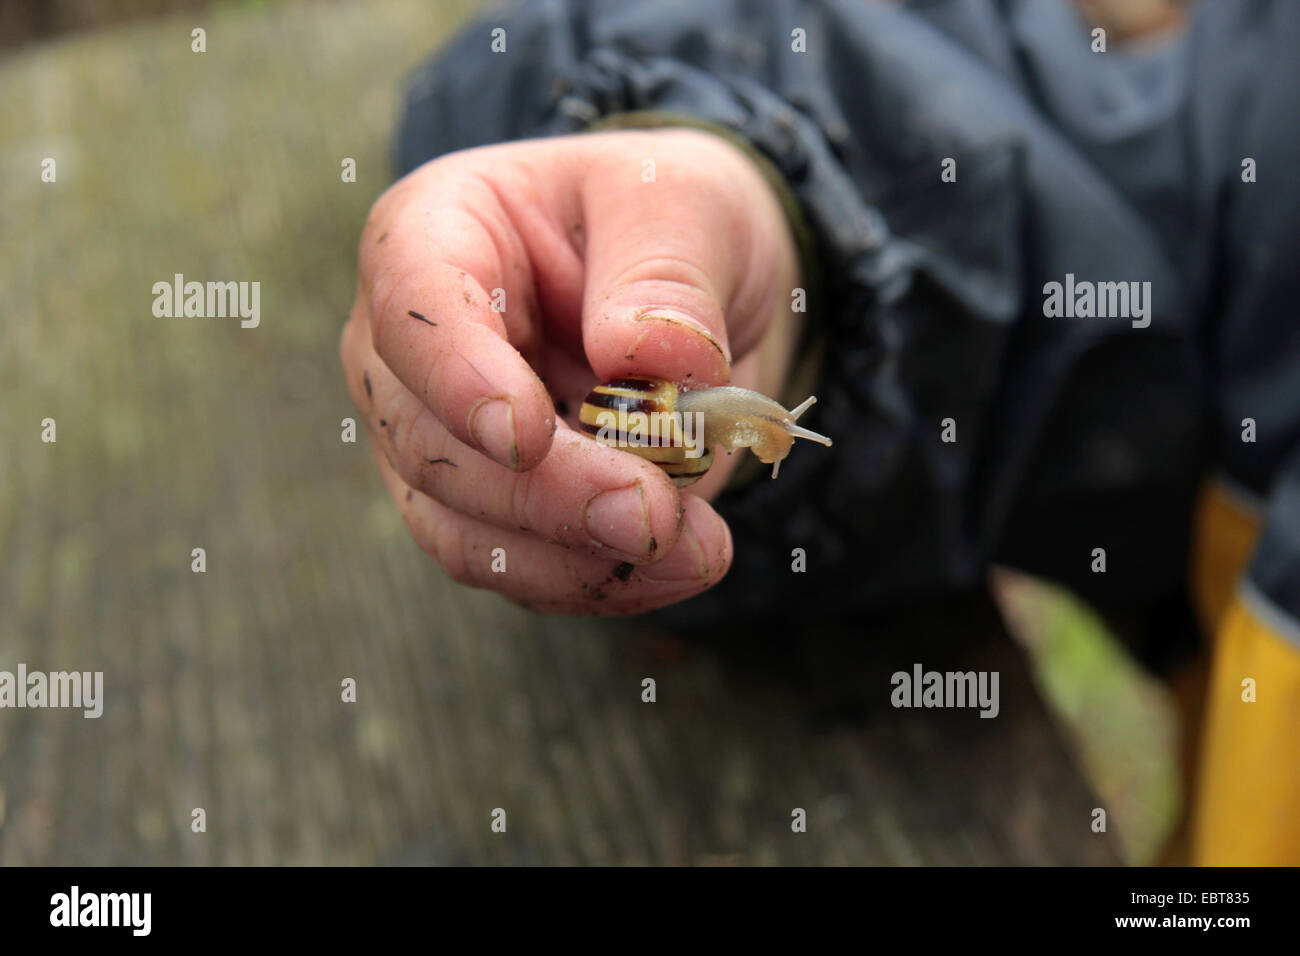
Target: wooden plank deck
x=223 y=688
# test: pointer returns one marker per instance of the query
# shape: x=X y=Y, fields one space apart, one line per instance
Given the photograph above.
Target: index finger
x=450 y=318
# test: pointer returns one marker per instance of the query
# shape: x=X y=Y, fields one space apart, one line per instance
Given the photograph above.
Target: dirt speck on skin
x=442 y=461
x=382 y=238
x=654 y=545
x=383 y=423
x=365 y=379
x=409 y=494
x=468 y=300
x=621 y=572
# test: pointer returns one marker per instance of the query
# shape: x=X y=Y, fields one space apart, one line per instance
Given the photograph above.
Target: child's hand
x=596 y=273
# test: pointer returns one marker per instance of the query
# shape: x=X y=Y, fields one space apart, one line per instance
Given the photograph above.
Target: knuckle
x=450 y=551
x=382 y=212
x=434 y=392
x=520 y=493
x=384 y=299
x=352 y=337
x=400 y=426
x=665 y=267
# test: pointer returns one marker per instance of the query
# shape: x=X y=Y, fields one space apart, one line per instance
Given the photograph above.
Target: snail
x=676 y=428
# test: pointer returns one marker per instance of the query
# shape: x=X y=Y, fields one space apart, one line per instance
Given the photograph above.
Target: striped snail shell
x=677 y=428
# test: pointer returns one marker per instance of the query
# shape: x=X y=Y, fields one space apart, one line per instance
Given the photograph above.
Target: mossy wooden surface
x=223 y=688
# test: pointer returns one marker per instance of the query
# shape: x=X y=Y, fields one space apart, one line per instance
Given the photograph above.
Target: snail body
x=677 y=428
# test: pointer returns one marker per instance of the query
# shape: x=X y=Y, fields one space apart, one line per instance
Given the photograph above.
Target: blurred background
x=222 y=688
x=27 y=21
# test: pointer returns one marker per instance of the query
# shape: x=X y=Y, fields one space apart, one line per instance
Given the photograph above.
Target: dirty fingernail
x=671 y=318
x=492 y=427
x=618 y=519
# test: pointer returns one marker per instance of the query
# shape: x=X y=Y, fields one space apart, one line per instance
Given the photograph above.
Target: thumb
x=673 y=258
